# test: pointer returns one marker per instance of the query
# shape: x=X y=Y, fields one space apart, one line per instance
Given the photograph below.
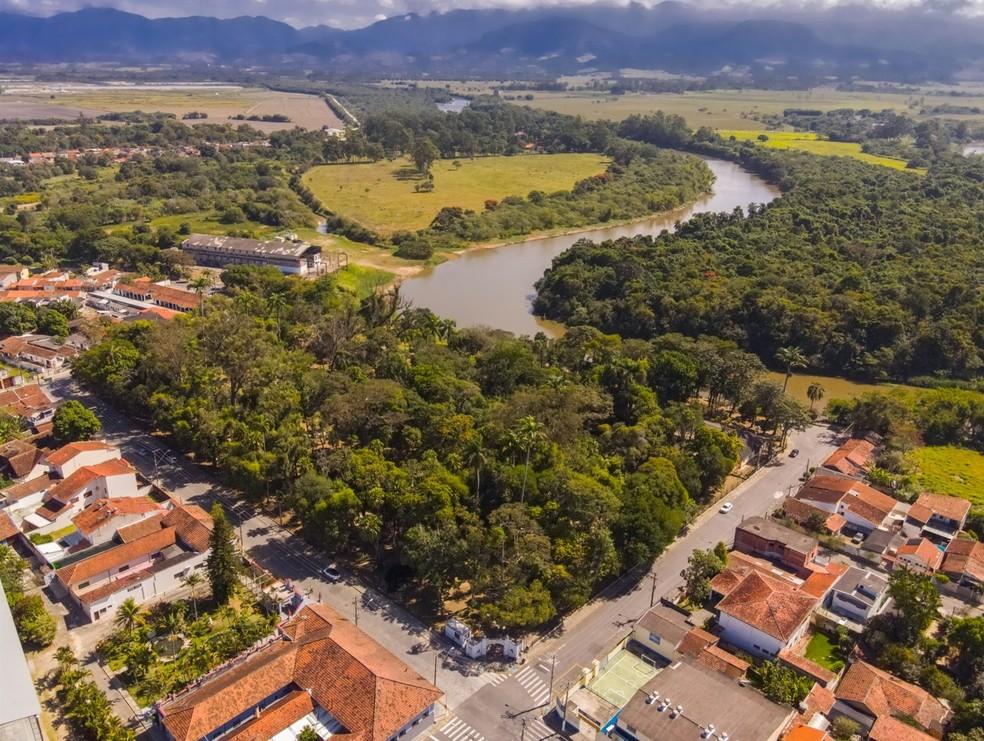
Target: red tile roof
x=27 y=488
x=66 y=452
x=94 y=565
x=24 y=401
x=193 y=524
x=807 y=667
x=7 y=528
x=65 y=489
x=953 y=508
x=365 y=687
x=802 y=512
x=716 y=658
x=770 y=605
x=103 y=510
x=965 y=556
x=818 y=583
x=806 y=733
x=137 y=530
x=887 y=728
x=21 y=456
x=861 y=499
x=922 y=550
x=275 y=718
x=852 y=458
x=882 y=694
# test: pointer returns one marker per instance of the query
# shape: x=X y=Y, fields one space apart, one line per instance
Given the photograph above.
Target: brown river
x=494 y=287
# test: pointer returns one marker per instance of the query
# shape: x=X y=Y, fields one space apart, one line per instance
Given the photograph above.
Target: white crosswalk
x=537 y=730
x=535 y=685
x=494 y=678
x=457 y=730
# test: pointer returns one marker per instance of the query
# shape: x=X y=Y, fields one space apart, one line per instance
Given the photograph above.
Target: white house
x=858 y=595
x=70 y=458
x=763 y=615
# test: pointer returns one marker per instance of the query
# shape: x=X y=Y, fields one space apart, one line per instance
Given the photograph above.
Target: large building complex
x=289 y=256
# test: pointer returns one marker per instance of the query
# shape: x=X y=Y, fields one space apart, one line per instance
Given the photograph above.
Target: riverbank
x=378 y=258
x=492 y=283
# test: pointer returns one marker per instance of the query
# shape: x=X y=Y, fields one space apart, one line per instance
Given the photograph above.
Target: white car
x=725 y=508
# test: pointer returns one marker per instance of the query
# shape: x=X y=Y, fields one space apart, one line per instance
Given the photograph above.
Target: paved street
x=482 y=704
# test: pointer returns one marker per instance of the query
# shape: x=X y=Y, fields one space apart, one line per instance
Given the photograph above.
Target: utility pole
x=563 y=715
x=437 y=655
x=355 y=602
x=553 y=666
x=652 y=594
x=523 y=736
x=242 y=540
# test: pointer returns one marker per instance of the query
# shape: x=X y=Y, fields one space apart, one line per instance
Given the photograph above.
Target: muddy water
x=494 y=287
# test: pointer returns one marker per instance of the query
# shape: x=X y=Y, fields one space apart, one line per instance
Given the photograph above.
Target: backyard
x=825 y=651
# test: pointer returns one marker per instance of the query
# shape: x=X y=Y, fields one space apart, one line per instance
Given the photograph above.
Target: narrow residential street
x=483 y=703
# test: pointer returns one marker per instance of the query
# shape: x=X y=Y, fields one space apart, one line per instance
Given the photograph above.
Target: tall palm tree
x=193 y=580
x=277 y=303
x=790 y=357
x=128 y=616
x=199 y=285
x=815 y=392
x=528 y=433
x=475 y=456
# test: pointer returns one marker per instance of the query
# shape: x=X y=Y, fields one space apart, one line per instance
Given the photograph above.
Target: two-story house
x=858 y=595
x=769 y=539
x=936 y=517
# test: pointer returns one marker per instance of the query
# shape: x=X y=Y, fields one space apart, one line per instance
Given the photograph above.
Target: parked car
x=726 y=507
x=794 y=452
x=331 y=573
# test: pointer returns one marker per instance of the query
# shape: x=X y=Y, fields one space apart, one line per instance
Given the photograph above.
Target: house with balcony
x=858 y=595
x=936 y=517
x=863 y=507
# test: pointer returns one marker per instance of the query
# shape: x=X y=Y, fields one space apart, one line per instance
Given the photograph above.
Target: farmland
x=730 y=109
x=950 y=470
x=221 y=102
x=381 y=195
x=809 y=142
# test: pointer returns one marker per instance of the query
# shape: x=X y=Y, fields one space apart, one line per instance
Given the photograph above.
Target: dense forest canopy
x=524 y=472
x=871 y=272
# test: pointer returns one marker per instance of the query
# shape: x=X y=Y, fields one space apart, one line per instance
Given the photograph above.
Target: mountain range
x=870 y=44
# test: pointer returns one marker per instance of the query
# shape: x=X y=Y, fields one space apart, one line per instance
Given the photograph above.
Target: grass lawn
x=950 y=470
x=361 y=280
x=809 y=142
x=820 y=650
x=206 y=222
x=381 y=195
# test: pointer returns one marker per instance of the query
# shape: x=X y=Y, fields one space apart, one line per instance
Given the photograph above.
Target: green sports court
x=623 y=676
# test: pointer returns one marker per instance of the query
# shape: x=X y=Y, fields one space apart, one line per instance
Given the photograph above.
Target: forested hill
x=871 y=272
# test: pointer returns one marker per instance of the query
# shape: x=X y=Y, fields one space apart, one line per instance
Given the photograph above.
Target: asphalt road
x=484 y=704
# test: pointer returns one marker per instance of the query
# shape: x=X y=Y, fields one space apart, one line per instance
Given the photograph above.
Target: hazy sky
x=356 y=13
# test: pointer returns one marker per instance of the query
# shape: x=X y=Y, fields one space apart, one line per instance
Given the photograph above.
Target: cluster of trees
x=35 y=627
x=84 y=221
x=196 y=643
x=521 y=473
x=84 y=704
x=948 y=664
x=53 y=319
x=864 y=268
x=154 y=130
x=73 y=421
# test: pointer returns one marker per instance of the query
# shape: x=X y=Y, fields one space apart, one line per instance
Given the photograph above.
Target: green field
x=950 y=470
x=833 y=387
x=381 y=195
x=734 y=109
x=809 y=142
